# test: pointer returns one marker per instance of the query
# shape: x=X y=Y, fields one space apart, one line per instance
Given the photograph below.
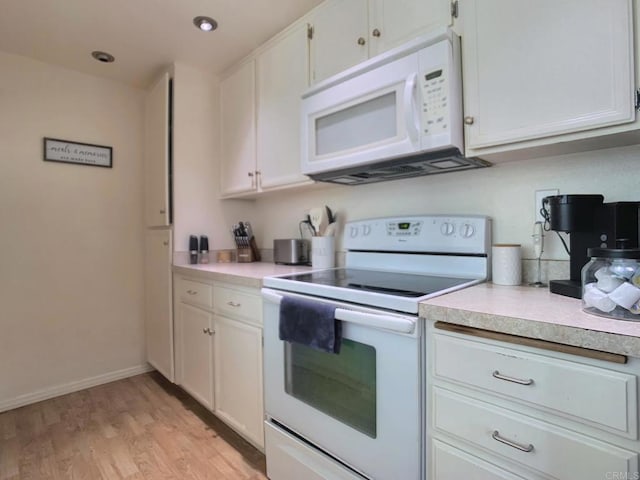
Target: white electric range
x=359 y=414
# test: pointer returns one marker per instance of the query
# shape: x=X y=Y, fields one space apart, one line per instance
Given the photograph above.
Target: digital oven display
x=404 y=226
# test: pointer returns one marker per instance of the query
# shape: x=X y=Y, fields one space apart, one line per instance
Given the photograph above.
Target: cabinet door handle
x=361 y=41
x=496 y=436
x=376 y=32
x=165 y=243
x=163 y=211
x=206 y=330
x=233 y=304
x=192 y=292
x=498 y=375
x=469 y=120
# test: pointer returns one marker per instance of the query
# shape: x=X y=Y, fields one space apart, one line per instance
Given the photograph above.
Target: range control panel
x=432 y=233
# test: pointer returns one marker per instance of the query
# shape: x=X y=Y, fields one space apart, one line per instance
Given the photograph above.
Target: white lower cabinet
x=194 y=353
x=219 y=351
x=451 y=463
x=500 y=410
x=238 y=376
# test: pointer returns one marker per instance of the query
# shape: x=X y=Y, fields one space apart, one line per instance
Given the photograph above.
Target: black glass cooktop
x=388 y=283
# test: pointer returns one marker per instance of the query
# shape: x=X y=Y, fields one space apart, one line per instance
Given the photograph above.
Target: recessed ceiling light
x=103 y=57
x=206 y=24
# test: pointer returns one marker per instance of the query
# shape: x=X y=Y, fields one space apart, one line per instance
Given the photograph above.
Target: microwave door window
x=366 y=123
x=342 y=386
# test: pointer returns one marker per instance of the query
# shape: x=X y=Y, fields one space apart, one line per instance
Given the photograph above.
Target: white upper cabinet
x=340 y=37
x=394 y=22
x=156 y=158
x=238 y=101
x=347 y=32
x=283 y=74
x=534 y=70
x=261 y=117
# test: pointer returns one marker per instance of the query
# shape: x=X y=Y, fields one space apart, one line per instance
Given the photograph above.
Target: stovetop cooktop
x=388 y=283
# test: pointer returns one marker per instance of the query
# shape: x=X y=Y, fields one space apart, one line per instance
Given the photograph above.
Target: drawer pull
x=498 y=375
x=233 y=304
x=192 y=292
x=496 y=436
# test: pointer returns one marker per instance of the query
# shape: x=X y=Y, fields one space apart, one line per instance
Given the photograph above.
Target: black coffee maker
x=590 y=223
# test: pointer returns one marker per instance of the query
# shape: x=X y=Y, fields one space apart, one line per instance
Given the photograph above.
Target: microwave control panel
x=435 y=101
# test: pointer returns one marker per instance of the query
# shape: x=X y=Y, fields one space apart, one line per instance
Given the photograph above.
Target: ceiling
x=145 y=36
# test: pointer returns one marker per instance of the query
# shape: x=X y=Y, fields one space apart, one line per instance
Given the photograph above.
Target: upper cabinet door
x=394 y=22
x=543 y=68
x=340 y=37
x=157 y=154
x=238 y=131
x=283 y=74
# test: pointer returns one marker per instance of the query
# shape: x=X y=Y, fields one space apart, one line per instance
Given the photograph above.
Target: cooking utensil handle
x=409 y=108
x=386 y=322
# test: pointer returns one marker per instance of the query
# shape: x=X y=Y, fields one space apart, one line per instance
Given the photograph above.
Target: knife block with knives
x=247 y=248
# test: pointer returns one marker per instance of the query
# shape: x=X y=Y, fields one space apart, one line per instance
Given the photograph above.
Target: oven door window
x=342 y=386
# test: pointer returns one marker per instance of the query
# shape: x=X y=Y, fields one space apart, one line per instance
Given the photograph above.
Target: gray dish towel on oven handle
x=310 y=323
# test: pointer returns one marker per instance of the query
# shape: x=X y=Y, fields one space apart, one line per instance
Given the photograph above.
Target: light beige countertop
x=533 y=313
x=244 y=274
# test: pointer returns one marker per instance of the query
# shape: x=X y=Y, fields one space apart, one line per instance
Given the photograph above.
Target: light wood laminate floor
x=138 y=428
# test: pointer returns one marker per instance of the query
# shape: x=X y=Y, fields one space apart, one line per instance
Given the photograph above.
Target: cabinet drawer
x=235 y=302
x=603 y=398
x=195 y=293
x=550 y=450
x=450 y=463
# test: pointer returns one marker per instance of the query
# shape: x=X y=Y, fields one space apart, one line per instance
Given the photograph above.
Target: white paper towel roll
x=506 y=264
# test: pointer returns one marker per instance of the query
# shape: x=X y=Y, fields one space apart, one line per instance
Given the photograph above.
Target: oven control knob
x=467 y=230
x=366 y=230
x=447 y=229
x=353 y=232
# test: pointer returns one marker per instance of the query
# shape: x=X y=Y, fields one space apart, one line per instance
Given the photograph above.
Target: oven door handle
x=375 y=320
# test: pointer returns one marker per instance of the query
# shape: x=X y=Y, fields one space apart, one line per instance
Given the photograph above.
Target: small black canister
x=193 y=249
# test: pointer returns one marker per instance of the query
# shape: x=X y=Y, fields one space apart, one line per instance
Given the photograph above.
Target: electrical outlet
x=540 y=194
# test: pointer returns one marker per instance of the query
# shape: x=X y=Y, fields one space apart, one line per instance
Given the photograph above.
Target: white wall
x=197 y=207
x=71 y=263
x=505 y=192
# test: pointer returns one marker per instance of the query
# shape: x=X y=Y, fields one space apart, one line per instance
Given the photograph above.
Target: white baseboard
x=29 y=398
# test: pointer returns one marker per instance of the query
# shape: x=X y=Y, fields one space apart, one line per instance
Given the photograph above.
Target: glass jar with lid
x=611 y=283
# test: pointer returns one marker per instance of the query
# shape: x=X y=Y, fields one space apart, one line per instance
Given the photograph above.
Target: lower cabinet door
x=238 y=377
x=449 y=463
x=194 y=353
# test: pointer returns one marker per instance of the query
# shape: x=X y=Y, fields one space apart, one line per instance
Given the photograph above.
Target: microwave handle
x=374 y=320
x=409 y=107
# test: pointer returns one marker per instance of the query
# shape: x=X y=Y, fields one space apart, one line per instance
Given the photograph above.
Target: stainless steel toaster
x=291 y=251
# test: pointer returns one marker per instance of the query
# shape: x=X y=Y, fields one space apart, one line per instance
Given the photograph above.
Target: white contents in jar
x=594 y=297
x=623 y=268
x=607 y=281
x=626 y=295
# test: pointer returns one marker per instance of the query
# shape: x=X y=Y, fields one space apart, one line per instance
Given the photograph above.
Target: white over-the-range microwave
x=397 y=115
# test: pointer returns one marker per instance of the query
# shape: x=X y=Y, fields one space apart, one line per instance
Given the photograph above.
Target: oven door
x=361 y=406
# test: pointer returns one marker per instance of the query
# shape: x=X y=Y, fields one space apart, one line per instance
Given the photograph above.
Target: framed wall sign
x=56 y=150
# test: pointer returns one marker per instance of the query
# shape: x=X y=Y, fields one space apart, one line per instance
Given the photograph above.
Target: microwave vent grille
x=403 y=167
